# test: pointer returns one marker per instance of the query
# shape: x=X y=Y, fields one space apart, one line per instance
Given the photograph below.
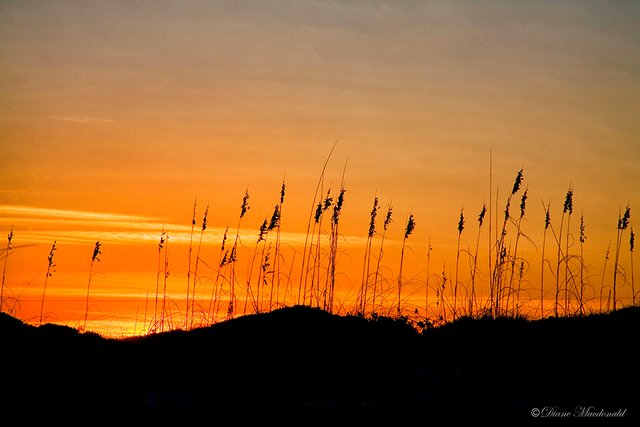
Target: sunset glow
x=121 y=120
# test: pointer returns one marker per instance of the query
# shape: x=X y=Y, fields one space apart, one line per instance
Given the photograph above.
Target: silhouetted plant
x=155 y=310
x=302 y=286
x=233 y=257
x=582 y=238
x=547 y=222
x=96 y=252
x=523 y=204
x=472 y=297
x=388 y=218
x=333 y=251
x=568 y=207
x=362 y=300
x=50 y=270
x=193 y=224
x=195 y=271
x=604 y=270
x=4 y=268
x=428 y=276
x=455 y=285
x=501 y=252
x=623 y=224
x=411 y=225
x=632 y=239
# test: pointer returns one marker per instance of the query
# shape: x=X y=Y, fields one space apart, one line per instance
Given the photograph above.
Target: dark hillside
x=304 y=359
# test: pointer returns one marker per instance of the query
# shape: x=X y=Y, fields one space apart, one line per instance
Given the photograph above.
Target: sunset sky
x=116 y=116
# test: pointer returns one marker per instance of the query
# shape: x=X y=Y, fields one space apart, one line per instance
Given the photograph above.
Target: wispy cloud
x=45 y=213
x=85 y=120
x=43 y=225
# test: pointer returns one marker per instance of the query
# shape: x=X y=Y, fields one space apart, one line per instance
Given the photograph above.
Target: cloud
x=85 y=120
x=43 y=225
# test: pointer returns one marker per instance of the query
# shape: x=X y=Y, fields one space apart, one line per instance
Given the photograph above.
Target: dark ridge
x=302 y=359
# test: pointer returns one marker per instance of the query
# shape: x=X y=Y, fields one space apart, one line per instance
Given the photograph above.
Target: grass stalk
x=547 y=222
x=411 y=225
x=195 y=270
x=455 y=286
x=303 y=273
x=94 y=258
x=49 y=273
x=623 y=223
x=193 y=224
x=632 y=239
x=387 y=221
x=4 y=268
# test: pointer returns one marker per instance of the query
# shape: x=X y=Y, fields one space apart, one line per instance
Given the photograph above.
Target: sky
x=116 y=116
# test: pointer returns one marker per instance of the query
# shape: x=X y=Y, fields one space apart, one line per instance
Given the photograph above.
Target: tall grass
x=501 y=250
x=364 y=286
x=159 y=269
x=632 y=239
x=195 y=270
x=582 y=239
x=4 y=268
x=547 y=223
x=333 y=250
x=302 y=286
x=455 y=286
x=163 y=310
x=411 y=225
x=623 y=224
x=274 y=223
x=472 y=298
x=511 y=290
x=49 y=273
x=94 y=257
x=568 y=207
x=193 y=224
x=233 y=258
x=388 y=218
x=604 y=271
x=456 y=292
x=428 y=277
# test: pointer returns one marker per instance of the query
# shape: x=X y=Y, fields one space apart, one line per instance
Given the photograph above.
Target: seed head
x=193 y=218
x=461 y=222
x=204 y=218
x=96 y=252
x=483 y=212
x=245 y=204
x=623 y=222
x=50 y=258
x=282 y=191
x=387 y=218
x=318 y=213
x=224 y=238
x=411 y=225
x=9 y=239
x=568 y=202
x=337 y=208
x=517 y=183
x=372 y=221
x=547 y=216
x=523 y=203
x=264 y=228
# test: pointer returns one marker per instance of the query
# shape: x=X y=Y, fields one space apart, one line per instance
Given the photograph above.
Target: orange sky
x=115 y=116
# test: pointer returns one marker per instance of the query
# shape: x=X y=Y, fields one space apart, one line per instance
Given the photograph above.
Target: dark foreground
x=305 y=364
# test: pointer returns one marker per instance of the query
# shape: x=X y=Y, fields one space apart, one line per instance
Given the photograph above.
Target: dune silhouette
x=306 y=359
